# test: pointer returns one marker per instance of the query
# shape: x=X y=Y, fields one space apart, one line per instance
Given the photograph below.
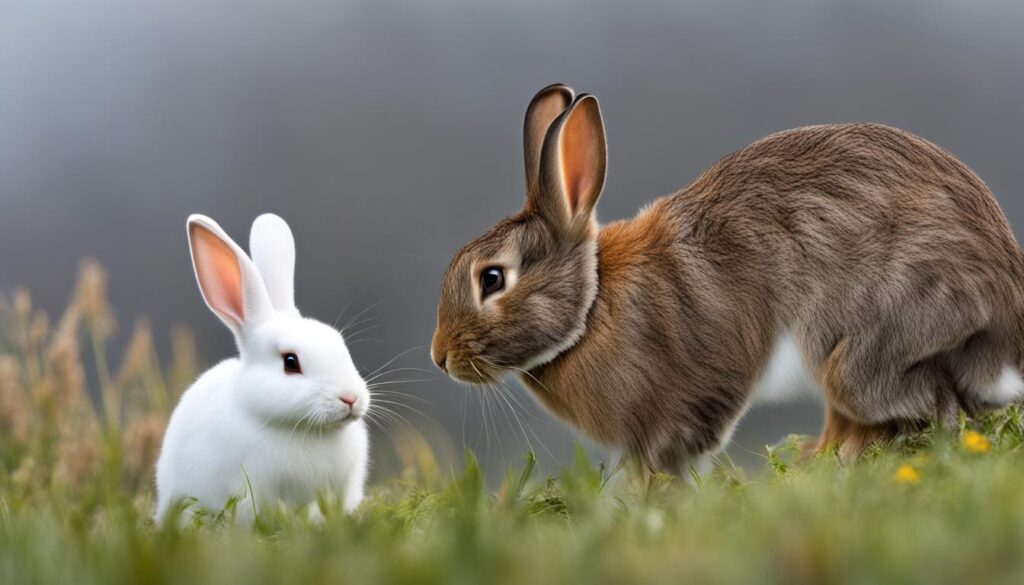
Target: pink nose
x=349 y=399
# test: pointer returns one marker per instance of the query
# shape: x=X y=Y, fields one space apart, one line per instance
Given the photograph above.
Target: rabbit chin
x=473 y=371
x=331 y=420
x=321 y=419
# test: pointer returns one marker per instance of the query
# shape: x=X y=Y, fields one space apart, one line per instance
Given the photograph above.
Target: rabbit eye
x=492 y=280
x=291 y=363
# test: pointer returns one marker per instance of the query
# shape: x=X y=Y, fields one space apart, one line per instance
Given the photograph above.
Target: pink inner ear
x=220 y=276
x=580 y=159
x=573 y=181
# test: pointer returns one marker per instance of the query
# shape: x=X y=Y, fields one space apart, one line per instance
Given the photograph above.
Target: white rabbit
x=283 y=421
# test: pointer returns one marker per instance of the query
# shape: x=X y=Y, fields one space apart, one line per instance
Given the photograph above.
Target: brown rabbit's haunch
x=857 y=259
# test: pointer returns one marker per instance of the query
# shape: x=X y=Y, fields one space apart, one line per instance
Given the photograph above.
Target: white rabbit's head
x=295 y=372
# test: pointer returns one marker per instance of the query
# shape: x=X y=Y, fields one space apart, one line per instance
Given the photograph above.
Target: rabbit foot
x=852 y=437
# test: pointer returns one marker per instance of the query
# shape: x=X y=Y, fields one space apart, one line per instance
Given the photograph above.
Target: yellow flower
x=906 y=474
x=975 y=442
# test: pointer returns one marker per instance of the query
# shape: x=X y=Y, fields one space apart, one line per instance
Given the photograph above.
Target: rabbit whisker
x=511 y=394
x=406 y=406
x=392 y=360
x=393 y=382
x=297 y=423
x=402 y=369
x=402 y=395
x=354 y=336
x=348 y=304
x=480 y=403
x=396 y=418
x=504 y=407
x=521 y=370
x=365 y=340
x=349 y=324
x=360 y=314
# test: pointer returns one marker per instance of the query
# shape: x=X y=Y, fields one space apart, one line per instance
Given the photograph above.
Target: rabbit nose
x=439 y=352
x=442 y=361
x=349 y=399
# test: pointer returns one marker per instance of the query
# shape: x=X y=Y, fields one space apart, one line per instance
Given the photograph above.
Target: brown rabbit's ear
x=542 y=111
x=572 y=168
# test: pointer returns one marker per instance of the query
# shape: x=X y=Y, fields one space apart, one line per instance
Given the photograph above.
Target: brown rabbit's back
x=842 y=207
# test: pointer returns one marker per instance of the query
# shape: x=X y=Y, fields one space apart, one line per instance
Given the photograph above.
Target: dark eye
x=492 y=280
x=291 y=363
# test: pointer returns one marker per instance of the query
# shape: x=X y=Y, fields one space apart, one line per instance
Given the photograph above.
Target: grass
x=945 y=506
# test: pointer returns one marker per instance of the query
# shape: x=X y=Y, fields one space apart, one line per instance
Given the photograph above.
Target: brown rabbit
x=856 y=258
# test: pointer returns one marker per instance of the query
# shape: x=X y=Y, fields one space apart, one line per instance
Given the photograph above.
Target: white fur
x=1009 y=387
x=785 y=377
x=729 y=431
x=246 y=428
x=273 y=253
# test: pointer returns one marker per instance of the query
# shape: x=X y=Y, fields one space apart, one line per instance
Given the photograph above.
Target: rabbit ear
x=573 y=166
x=273 y=251
x=542 y=111
x=230 y=283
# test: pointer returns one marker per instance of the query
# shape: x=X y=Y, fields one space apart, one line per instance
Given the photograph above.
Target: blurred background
x=388 y=134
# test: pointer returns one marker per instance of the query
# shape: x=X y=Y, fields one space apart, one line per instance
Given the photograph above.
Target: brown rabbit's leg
x=679 y=462
x=887 y=356
x=852 y=437
x=867 y=393
x=878 y=377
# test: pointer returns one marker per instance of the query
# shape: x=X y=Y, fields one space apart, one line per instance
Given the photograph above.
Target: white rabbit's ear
x=573 y=167
x=230 y=283
x=273 y=251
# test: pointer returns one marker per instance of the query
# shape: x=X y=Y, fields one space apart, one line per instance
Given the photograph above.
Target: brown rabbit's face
x=518 y=296
x=513 y=299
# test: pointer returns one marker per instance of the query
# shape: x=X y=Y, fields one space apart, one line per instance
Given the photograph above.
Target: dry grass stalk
x=54 y=431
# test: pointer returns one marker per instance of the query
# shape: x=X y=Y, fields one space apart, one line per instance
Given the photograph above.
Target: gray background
x=388 y=133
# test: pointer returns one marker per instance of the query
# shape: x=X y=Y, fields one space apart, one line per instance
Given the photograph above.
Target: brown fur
x=887 y=259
